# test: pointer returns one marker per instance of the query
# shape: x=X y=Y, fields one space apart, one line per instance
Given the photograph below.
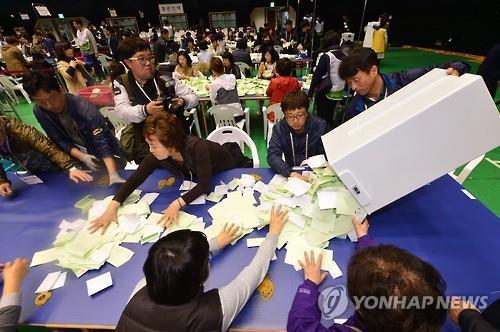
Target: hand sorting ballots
x=90 y=161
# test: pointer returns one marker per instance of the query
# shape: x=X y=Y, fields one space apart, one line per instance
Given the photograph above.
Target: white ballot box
x=413 y=137
x=367 y=42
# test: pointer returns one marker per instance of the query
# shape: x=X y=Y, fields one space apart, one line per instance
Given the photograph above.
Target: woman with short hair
x=184 y=156
x=229 y=66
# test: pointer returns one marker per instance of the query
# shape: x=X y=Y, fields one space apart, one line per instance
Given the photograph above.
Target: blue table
x=437 y=222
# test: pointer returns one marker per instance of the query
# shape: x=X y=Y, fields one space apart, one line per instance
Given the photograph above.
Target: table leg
x=202 y=106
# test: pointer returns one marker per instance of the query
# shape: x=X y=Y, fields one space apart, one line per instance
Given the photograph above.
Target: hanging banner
x=171 y=8
x=42 y=10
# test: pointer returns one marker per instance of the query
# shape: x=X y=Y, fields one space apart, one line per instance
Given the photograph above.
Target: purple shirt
x=305 y=316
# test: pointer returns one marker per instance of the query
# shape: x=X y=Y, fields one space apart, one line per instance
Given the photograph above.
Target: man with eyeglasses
x=296 y=138
x=141 y=92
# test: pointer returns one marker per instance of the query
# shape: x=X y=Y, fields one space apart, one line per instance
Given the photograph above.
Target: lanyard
x=144 y=92
x=385 y=96
x=293 y=148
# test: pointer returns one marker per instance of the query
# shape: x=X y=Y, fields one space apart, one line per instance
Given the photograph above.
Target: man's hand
x=77 y=176
x=6 y=189
x=452 y=71
x=299 y=176
x=90 y=161
x=154 y=106
x=115 y=178
x=361 y=229
x=13 y=275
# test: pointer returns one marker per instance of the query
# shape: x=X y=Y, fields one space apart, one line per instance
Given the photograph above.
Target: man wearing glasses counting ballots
x=297 y=138
x=141 y=92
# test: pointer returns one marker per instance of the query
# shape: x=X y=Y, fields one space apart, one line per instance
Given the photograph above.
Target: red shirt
x=278 y=88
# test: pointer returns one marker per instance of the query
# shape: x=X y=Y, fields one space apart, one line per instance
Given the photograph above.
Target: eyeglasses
x=143 y=60
x=296 y=117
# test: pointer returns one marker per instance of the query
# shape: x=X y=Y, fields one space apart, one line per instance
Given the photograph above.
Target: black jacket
x=203 y=313
x=281 y=143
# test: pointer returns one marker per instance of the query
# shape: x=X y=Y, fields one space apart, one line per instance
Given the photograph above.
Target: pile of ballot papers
x=318 y=210
x=76 y=249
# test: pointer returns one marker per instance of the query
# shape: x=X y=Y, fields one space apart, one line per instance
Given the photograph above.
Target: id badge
x=30 y=179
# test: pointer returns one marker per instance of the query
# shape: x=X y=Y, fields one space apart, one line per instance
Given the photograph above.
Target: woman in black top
x=186 y=156
x=229 y=66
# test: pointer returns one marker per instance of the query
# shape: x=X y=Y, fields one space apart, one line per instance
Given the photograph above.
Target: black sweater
x=201 y=158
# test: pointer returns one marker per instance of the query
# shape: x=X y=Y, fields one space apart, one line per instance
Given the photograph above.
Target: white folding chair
x=464 y=174
x=196 y=122
x=244 y=68
x=224 y=115
x=7 y=108
x=11 y=86
x=268 y=125
x=117 y=122
x=226 y=134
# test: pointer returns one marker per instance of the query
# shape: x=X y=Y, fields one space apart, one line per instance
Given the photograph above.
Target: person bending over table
x=298 y=137
x=176 y=268
x=360 y=71
x=74 y=125
x=10 y=303
x=373 y=270
x=182 y=155
x=392 y=271
x=27 y=147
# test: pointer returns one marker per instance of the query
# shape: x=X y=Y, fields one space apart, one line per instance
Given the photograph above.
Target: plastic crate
x=100 y=95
